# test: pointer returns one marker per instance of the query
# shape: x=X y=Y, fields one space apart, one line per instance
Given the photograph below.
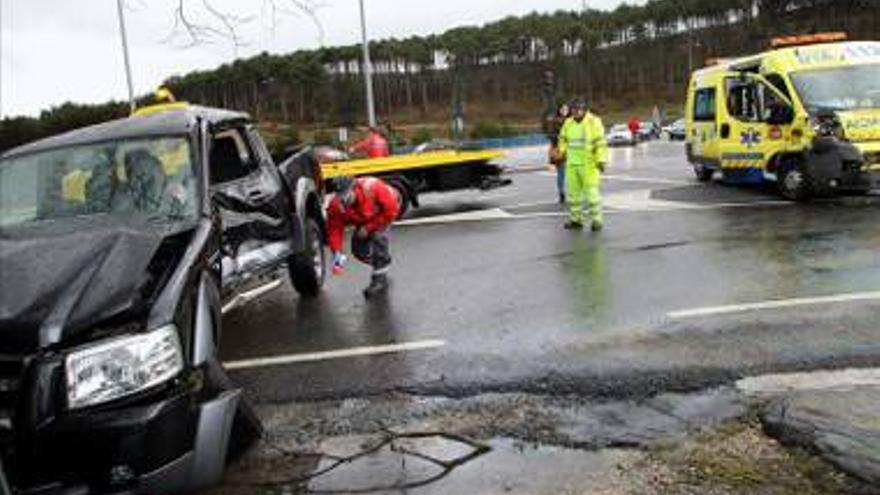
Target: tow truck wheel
x=307 y=269
x=703 y=173
x=403 y=198
x=794 y=184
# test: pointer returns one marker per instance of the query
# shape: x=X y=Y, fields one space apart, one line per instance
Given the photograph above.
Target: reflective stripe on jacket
x=583 y=142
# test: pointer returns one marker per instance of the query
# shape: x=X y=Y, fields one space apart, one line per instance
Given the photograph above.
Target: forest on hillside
x=516 y=66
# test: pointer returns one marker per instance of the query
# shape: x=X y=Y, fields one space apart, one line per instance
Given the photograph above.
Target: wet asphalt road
x=523 y=305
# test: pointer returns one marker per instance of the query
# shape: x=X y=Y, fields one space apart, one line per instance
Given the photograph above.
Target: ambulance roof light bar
x=716 y=61
x=808 y=39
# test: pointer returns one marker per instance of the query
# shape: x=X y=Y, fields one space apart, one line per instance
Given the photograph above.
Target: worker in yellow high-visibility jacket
x=582 y=141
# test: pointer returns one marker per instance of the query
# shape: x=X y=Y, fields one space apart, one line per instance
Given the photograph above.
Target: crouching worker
x=370 y=206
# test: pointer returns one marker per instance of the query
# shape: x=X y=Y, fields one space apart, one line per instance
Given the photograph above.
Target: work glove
x=339 y=260
x=601 y=167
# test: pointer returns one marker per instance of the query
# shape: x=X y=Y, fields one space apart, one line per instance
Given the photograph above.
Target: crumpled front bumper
x=167 y=446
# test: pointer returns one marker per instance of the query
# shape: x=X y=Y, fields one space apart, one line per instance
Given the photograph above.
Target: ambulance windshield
x=852 y=87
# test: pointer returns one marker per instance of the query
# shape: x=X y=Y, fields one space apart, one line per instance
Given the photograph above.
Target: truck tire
x=307 y=269
x=703 y=173
x=795 y=183
x=403 y=196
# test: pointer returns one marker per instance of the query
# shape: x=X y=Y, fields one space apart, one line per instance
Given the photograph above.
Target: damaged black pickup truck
x=120 y=246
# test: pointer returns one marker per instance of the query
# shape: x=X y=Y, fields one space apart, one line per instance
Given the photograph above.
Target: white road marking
x=773 y=304
x=246 y=297
x=336 y=354
x=641 y=200
x=612 y=209
x=812 y=380
x=630 y=178
x=529 y=204
x=470 y=216
x=655 y=180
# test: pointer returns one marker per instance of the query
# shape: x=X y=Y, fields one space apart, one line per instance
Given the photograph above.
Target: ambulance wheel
x=703 y=173
x=795 y=184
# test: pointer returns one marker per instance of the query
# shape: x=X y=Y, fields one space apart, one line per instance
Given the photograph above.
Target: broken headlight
x=119 y=367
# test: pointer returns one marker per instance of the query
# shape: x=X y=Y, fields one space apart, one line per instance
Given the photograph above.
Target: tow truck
x=804 y=115
x=431 y=171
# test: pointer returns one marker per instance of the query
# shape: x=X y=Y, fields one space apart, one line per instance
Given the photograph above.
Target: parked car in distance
x=647 y=131
x=677 y=131
x=619 y=135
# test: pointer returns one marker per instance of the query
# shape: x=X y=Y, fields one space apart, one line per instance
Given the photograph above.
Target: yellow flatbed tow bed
x=434 y=171
x=412 y=161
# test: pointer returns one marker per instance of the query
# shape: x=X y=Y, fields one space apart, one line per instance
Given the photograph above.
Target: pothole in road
x=517 y=443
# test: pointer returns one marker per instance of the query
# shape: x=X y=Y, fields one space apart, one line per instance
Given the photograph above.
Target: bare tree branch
x=204 y=23
x=294 y=8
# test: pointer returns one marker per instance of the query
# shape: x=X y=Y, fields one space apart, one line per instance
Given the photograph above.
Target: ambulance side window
x=779 y=83
x=742 y=101
x=769 y=102
x=704 y=105
x=752 y=101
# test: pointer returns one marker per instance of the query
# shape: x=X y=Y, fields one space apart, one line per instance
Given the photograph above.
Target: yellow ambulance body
x=805 y=115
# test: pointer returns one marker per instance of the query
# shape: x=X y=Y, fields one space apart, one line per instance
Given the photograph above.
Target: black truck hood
x=54 y=289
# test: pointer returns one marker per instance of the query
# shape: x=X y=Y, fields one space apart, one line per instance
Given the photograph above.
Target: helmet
x=345 y=189
x=579 y=103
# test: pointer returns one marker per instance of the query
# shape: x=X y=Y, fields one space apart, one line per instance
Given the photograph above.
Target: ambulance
x=804 y=115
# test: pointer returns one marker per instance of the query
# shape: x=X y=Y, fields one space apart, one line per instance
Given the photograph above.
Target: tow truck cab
x=804 y=115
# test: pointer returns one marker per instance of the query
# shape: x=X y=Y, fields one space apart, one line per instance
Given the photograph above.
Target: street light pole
x=368 y=68
x=125 y=54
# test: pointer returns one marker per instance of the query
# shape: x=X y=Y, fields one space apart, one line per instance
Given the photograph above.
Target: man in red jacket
x=374 y=145
x=370 y=205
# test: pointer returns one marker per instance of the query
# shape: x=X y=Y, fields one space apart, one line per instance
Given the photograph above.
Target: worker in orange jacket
x=370 y=205
x=374 y=145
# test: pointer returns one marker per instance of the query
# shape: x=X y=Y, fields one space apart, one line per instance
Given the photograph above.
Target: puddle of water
x=510 y=466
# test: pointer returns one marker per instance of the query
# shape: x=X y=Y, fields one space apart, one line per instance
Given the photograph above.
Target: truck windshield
x=852 y=87
x=108 y=182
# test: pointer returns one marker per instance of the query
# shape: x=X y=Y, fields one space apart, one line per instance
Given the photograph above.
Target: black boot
x=572 y=225
x=378 y=285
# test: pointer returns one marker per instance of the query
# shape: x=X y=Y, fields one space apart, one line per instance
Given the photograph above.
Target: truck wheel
x=703 y=173
x=795 y=184
x=403 y=198
x=307 y=268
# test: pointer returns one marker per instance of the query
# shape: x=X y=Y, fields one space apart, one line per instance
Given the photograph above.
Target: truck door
x=245 y=189
x=755 y=119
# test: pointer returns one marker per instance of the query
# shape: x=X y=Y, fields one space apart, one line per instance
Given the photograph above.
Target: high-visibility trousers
x=582 y=184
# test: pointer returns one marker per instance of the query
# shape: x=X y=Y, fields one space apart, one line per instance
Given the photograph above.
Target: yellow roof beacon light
x=164 y=95
x=163 y=100
x=808 y=39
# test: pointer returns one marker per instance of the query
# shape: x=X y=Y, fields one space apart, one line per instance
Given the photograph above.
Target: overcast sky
x=69 y=50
